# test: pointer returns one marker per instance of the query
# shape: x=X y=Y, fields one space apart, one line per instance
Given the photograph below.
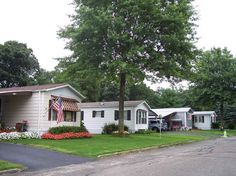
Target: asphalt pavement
x=37 y=159
x=205 y=158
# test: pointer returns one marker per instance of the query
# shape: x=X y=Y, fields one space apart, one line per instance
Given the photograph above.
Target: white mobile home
x=204 y=119
x=176 y=118
x=32 y=104
x=96 y=114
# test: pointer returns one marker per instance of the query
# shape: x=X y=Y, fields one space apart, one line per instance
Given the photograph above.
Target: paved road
x=206 y=158
x=36 y=159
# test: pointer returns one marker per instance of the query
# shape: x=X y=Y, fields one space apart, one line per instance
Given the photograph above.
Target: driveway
x=206 y=158
x=37 y=159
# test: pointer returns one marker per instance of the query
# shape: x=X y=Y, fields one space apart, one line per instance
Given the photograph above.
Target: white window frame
x=141 y=116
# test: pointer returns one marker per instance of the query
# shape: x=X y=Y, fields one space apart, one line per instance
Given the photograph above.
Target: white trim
x=13 y=91
x=144 y=102
x=63 y=86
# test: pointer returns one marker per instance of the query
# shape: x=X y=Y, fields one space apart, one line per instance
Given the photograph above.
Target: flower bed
x=18 y=135
x=69 y=135
x=6 y=131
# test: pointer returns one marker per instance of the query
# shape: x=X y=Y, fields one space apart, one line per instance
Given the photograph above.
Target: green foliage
x=18 y=65
x=110 y=128
x=44 y=77
x=65 y=129
x=127 y=40
x=216 y=125
x=231 y=126
x=132 y=36
x=215 y=79
x=142 y=131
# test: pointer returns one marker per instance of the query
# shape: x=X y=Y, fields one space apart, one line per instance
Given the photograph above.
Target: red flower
x=69 y=135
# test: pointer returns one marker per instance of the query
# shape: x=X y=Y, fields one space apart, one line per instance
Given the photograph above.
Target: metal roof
x=167 y=111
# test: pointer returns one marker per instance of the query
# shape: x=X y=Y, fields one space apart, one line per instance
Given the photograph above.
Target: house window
x=98 y=114
x=195 y=119
x=127 y=115
x=69 y=116
x=82 y=115
x=141 y=116
x=201 y=119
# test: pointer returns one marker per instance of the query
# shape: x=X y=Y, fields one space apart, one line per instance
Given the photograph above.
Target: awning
x=68 y=104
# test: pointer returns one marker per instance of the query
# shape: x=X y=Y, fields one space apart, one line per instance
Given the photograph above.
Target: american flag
x=57 y=105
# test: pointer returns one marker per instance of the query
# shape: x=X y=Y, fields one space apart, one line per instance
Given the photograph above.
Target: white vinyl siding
x=35 y=109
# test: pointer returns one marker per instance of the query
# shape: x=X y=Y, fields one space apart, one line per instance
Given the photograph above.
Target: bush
x=110 y=128
x=215 y=125
x=66 y=129
x=231 y=126
x=143 y=131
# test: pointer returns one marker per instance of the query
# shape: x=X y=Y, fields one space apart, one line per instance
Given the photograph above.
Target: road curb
x=143 y=149
x=10 y=171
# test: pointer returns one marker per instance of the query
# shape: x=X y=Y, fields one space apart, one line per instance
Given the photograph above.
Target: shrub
x=143 y=131
x=66 y=129
x=69 y=135
x=110 y=128
x=215 y=125
x=231 y=126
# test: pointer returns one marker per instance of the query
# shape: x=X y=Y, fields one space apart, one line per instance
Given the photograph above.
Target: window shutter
x=49 y=110
x=94 y=113
x=116 y=115
x=102 y=114
x=82 y=115
x=129 y=115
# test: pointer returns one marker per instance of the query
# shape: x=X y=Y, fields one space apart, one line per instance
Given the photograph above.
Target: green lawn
x=106 y=144
x=4 y=165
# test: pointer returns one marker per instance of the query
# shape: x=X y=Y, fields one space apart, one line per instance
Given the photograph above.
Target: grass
x=5 y=165
x=107 y=144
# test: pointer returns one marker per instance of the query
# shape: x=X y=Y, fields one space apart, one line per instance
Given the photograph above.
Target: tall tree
x=18 y=65
x=215 y=79
x=132 y=39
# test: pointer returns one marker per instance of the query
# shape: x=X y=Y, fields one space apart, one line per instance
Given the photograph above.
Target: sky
x=36 y=23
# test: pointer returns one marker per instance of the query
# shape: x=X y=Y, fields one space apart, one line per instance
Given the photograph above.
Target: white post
x=160 y=116
x=39 y=109
x=185 y=120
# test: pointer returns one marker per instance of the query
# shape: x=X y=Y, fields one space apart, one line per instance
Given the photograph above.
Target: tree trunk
x=222 y=115
x=121 y=102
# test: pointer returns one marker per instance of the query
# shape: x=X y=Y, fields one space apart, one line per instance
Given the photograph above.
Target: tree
x=215 y=79
x=44 y=77
x=130 y=40
x=18 y=65
x=88 y=84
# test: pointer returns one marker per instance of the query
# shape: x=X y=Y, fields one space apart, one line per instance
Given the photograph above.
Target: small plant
x=66 y=129
x=143 y=131
x=110 y=128
x=215 y=125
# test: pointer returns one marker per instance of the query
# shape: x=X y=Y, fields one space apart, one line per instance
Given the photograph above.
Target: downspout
x=185 y=120
x=39 y=110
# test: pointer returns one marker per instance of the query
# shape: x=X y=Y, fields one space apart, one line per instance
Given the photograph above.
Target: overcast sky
x=36 y=22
